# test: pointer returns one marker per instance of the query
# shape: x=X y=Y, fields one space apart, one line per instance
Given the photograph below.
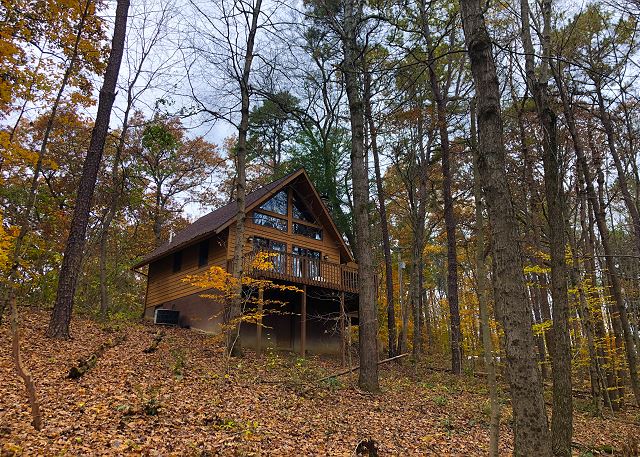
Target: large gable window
x=277 y=203
x=300 y=210
x=270 y=221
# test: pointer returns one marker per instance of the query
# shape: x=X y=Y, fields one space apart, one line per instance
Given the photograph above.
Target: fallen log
x=154 y=344
x=347 y=371
x=87 y=364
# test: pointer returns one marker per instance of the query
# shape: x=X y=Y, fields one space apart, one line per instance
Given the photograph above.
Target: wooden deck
x=303 y=270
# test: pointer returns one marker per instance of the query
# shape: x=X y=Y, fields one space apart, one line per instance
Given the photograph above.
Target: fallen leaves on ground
x=180 y=400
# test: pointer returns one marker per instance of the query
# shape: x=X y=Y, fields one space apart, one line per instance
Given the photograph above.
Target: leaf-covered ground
x=178 y=401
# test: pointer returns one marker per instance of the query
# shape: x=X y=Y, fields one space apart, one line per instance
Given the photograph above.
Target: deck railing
x=303 y=270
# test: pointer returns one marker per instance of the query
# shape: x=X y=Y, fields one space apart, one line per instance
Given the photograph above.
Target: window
x=177 y=261
x=277 y=204
x=203 y=253
x=269 y=221
x=268 y=245
x=306 y=263
x=308 y=231
x=300 y=210
x=279 y=261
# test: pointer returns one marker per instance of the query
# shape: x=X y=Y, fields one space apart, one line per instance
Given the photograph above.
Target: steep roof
x=221 y=218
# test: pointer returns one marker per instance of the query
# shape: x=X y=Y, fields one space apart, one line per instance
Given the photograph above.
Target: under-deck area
x=314 y=320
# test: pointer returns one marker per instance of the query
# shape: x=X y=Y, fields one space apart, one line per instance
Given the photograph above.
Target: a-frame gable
x=299 y=179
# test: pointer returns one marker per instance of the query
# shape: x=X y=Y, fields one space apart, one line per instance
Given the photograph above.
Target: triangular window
x=277 y=204
x=300 y=210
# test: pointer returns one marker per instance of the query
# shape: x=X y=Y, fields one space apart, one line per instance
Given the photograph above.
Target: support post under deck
x=303 y=322
x=259 y=321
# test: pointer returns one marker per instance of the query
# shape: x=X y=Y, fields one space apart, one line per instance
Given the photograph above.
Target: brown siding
x=164 y=285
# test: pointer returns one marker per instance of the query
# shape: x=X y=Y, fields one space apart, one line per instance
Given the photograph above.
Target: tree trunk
x=36 y=414
x=482 y=290
x=61 y=316
x=235 y=309
x=440 y=98
x=384 y=223
x=562 y=418
x=368 y=377
x=531 y=435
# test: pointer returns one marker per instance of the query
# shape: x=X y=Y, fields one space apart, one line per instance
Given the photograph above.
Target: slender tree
x=61 y=315
x=352 y=68
x=562 y=418
x=531 y=434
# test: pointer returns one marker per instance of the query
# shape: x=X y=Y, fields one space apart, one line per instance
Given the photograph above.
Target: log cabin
x=288 y=219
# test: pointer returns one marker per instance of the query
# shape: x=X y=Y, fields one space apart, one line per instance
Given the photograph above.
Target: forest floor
x=181 y=400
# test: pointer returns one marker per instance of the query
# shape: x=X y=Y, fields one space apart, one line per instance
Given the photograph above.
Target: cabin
x=288 y=219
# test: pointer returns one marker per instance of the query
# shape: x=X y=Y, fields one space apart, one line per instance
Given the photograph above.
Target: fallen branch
x=154 y=344
x=87 y=364
x=349 y=370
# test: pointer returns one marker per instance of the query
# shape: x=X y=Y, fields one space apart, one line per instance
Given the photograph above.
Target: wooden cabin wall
x=164 y=285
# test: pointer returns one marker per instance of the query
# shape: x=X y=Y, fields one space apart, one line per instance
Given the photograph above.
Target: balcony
x=302 y=270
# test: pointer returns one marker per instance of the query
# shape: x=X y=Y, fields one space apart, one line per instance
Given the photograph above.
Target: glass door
x=306 y=263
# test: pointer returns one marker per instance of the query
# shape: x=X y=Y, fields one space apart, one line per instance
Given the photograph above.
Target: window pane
x=277 y=204
x=203 y=253
x=309 y=232
x=270 y=221
x=279 y=261
x=268 y=245
x=177 y=261
x=300 y=210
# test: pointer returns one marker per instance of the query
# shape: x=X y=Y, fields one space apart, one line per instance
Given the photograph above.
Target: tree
x=61 y=315
x=562 y=418
x=531 y=435
x=352 y=68
x=173 y=167
x=271 y=125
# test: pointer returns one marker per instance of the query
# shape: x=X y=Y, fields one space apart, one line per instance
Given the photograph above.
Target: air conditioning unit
x=166 y=317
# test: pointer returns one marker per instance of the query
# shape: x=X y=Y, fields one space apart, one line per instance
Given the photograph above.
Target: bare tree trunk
x=404 y=330
x=368 y=377
x=562 y=418
x=233 y=341
x=531 y=434
x=440 y=98
x=384 y=223
x=61 y=315
x=482 y=291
